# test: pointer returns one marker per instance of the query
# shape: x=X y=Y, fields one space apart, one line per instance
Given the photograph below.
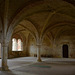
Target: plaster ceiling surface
x=29 y=26
x=66 y=31
x=16 y=6
x=58 y=31
x=38 y=20
x=70 y=1
x=43 y=14
x=50 y=36
x=26 y=33
x=21 y=30
x=1 y=1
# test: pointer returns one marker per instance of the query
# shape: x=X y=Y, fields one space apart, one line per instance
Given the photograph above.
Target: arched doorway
x=65 y=51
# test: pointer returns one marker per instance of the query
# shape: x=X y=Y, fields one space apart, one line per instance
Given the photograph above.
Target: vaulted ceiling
x=41 y=17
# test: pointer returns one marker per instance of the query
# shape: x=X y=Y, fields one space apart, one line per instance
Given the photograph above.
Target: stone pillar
x=4 y=56
x=54 y=48
x=27 y=50
x=38 y=53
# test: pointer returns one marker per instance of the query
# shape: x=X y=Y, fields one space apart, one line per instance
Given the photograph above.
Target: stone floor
x=48 y=66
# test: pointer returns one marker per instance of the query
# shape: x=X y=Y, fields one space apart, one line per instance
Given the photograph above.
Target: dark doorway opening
x=65 y=51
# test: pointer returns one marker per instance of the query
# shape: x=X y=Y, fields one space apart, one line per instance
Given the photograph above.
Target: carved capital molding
x=5 y=43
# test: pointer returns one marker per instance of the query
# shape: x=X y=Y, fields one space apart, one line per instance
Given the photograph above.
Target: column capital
x=5 y=43
x=39 y=42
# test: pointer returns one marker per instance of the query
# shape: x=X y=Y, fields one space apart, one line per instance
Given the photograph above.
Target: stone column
x=4 y=56
x=54 y=48
x=38 y=53
x=27 y=50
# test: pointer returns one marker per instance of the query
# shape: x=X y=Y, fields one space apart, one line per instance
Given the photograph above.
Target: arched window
x=17 y=45
x=14 y=44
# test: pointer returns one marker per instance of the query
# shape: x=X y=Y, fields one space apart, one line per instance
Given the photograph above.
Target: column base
x=4 y=68
x=39 y=60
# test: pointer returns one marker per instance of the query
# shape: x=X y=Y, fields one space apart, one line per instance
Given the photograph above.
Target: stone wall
x=48 y=49
x=14 y=54
x=66 y=40
x=0 y=50
x=32 y=48
x=56 y=51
